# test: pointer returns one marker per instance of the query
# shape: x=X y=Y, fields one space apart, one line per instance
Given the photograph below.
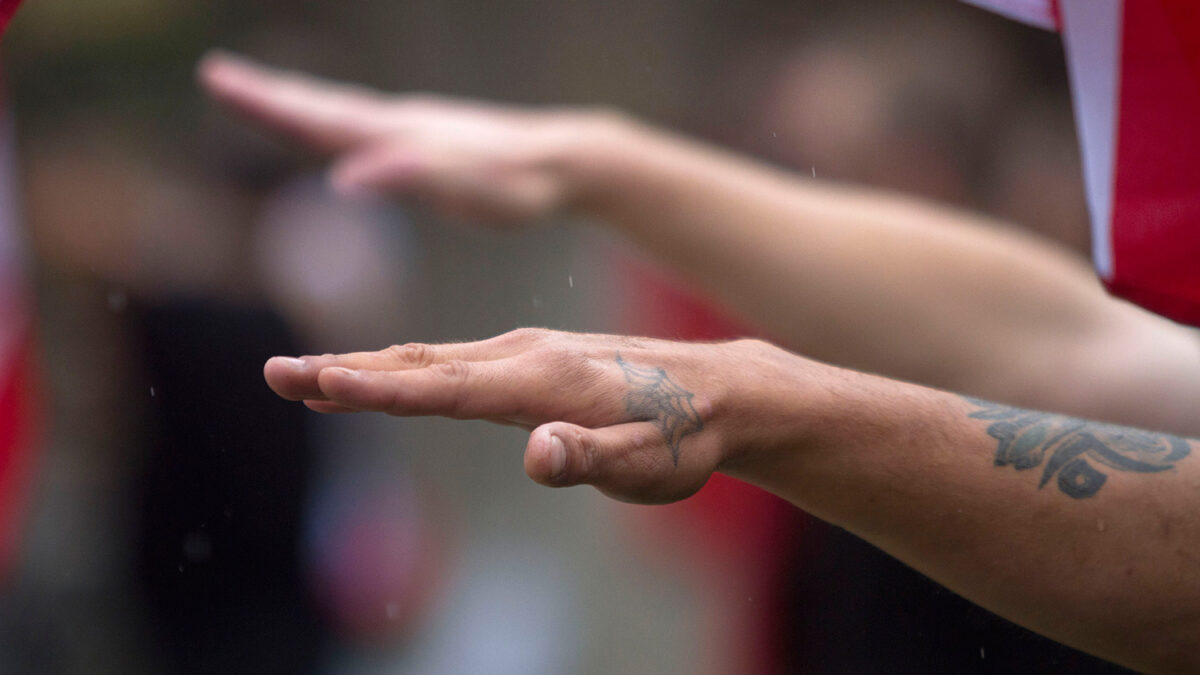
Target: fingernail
x=558 y=457
x=291 y=362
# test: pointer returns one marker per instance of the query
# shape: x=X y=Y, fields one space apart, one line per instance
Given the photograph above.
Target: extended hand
x=466 y=159
x=642 y=420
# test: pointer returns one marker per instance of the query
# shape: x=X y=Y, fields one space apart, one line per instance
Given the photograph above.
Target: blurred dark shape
x=877 y=615
x=222 y=495
x=937 y=99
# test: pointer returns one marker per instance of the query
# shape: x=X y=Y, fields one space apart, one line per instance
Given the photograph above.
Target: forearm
x=964 y=303
x=1094 y=555
x=873 y=281
x=869 y=280
x=1085 y=532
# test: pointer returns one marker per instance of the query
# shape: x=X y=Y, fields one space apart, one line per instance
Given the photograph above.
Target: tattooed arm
x=966 y=304
x=1086 y=532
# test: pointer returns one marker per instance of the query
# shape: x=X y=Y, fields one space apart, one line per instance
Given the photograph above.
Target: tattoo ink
x=1074 y=451
x=654 y=397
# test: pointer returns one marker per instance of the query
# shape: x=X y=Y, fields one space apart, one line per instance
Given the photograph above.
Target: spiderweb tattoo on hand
x=1073 y=448
x=654 y=397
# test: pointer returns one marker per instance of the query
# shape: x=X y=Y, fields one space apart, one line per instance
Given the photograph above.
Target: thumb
x=629 y=462
x=402 y=169
x=385 y=169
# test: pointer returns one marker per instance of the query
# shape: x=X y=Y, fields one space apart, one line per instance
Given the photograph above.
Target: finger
x=386 y=169
x=631 y=462
x=325 y=115
x=458 y=389
x=296 y=378
x=450 y=182
x=453 y=183
x=327 y=407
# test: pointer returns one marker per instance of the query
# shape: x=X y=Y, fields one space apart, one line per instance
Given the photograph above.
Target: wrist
x=772 y=414
x=594 y=155
x=799 y=428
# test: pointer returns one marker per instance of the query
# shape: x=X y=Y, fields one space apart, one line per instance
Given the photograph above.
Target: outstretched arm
x=1086 y=532
x=865 y=279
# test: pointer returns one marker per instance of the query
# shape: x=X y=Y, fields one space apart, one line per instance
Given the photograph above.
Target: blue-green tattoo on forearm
x=1079 y=453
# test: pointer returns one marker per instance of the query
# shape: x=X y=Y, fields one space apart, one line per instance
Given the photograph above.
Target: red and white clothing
x=1135 y=80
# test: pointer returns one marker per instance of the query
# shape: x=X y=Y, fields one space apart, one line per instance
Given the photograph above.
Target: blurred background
x=180 y=519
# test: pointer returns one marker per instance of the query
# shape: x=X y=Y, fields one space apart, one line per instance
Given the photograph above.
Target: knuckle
x=413 y=353
x=753 y=345
x=554 y=361
x=456 y=371
x=455 y=374
x=631 y=342
x=589 y=457
x=529 y=335
x=563 y=367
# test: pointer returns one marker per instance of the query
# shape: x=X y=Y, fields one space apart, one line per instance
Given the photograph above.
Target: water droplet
x=181 y=568
x=814 y=172
x=981 y=654
x=571 y=281
x=1101 y=526
x=151 y=392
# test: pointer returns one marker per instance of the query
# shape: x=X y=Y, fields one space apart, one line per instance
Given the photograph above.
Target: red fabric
x=17 y=444
x=7 y=9
x=743 y=531
x=1153 y=232
x=1156 y=205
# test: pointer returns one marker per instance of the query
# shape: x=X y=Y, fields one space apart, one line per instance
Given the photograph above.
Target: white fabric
x=1092 y=37
x=1038 y=13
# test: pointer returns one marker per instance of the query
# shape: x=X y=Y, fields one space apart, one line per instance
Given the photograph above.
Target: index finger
x=325 y=115
x=296 y=378
x=512 y=391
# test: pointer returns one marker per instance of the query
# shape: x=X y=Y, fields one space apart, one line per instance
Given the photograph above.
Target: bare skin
x=823 y=267
x=1102 y=557
x=1083 y=531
